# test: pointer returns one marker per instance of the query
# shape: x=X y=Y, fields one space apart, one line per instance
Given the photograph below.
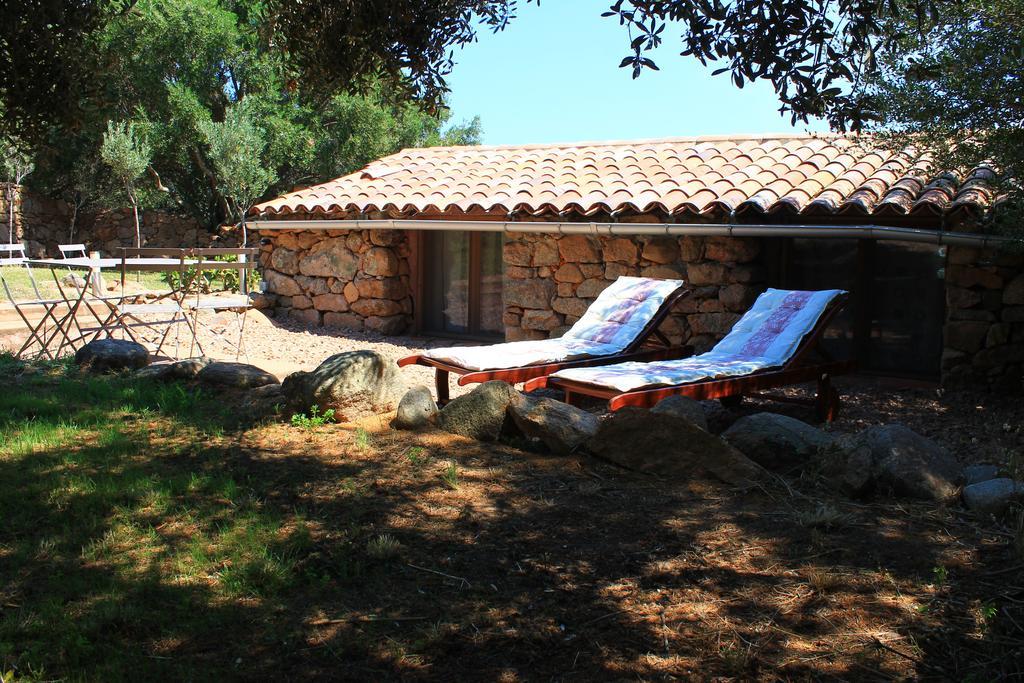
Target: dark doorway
x=893 y=325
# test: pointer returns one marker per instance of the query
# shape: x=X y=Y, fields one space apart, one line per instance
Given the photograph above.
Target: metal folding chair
x=129 y=316
x=238 y=304
x=72 y=250
x=14 y=255
x=50 y=327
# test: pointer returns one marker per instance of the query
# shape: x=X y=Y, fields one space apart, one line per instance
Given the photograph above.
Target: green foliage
x=236 y=151
x=954 y=88
x=126 y=153
x=225 y=117
x=450 y=476
x=314 y=419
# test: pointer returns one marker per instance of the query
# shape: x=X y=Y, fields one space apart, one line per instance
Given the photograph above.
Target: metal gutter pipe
x=876 y=232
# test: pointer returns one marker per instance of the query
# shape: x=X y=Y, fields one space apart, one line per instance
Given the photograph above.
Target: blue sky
x=553 y=76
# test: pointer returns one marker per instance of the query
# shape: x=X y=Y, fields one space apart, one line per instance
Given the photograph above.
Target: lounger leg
x=827 y=400
x=441 y=384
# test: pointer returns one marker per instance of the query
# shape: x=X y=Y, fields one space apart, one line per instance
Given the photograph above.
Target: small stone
x=579 y=249
x=107 y=355
x=73 y=280
x=975 y=474
x=416 y=410
x=684 y=407
x=993 y=496
x=661 y=250
x=563 y=428
x=379 y=261
x=569 y=272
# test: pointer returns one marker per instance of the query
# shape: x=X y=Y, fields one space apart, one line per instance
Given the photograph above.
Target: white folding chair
x=72 y=250
x=239 y=304
x=14 y=255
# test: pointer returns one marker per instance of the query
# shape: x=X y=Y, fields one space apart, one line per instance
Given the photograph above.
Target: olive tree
x=17 y=165
x=127 y=154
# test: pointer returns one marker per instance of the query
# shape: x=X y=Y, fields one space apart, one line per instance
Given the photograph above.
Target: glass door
x=462 y=284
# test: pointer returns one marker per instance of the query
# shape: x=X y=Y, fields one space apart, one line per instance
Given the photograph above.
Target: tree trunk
x=10 y=213
x=74 y=220
x=138 y=232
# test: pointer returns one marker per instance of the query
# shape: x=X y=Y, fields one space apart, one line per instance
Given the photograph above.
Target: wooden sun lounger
x=799 y=368
x=633 y=352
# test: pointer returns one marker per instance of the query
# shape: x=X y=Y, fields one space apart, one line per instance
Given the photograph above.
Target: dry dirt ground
x=517 y=566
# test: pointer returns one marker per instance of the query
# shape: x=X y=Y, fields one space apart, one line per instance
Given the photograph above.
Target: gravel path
x=284 y=346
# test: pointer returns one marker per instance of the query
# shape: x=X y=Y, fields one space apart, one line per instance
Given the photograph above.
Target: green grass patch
x=124 y=525
x=19 y=280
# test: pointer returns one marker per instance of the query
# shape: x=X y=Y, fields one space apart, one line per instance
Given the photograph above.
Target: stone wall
x=984 y=331
x=43 y=223
x=550 y=280
x=357 y=279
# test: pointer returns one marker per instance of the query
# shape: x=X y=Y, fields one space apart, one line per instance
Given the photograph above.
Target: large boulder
x=776 y=441
x=416 y=410
x=482 y=413
x=891 y=459
x=992 y=496
x=107 y=355
x=234 y=375
x=563 y=428
x=355 y=384
x=683 y=406
x=671 y=447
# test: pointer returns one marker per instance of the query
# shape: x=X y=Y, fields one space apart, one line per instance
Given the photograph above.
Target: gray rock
x=482 y=413
x=166 y=371
x=992 y=496
x=189 y=368
x=354 y=384
x=891 y=459
x=416 y=410
x=776 y=441
x=562 y=427
x=974 y=474
x=105 y=355
x=718 y=416
x=685 y=407
x=73 y=280
x=156 y=372
x=671 y=447
x=235 y=375
x=262 y=402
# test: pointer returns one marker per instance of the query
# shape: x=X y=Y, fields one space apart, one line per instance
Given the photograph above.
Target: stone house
x=514 y=242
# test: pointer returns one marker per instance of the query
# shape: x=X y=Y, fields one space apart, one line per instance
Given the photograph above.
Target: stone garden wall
x=550 y=281
x=43 y=223
x=984 y=335
x=358 y=279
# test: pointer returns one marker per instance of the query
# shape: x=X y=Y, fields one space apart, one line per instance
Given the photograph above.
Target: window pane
x=491 y=272
x=447 y=282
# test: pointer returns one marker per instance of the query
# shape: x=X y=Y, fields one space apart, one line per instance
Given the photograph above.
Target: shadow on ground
x=149 y=541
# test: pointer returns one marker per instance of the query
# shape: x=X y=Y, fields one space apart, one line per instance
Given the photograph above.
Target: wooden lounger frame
x=633 y=352
x=799 y=368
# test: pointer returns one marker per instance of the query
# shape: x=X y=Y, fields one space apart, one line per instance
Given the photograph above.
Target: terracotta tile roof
x=810 y=175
